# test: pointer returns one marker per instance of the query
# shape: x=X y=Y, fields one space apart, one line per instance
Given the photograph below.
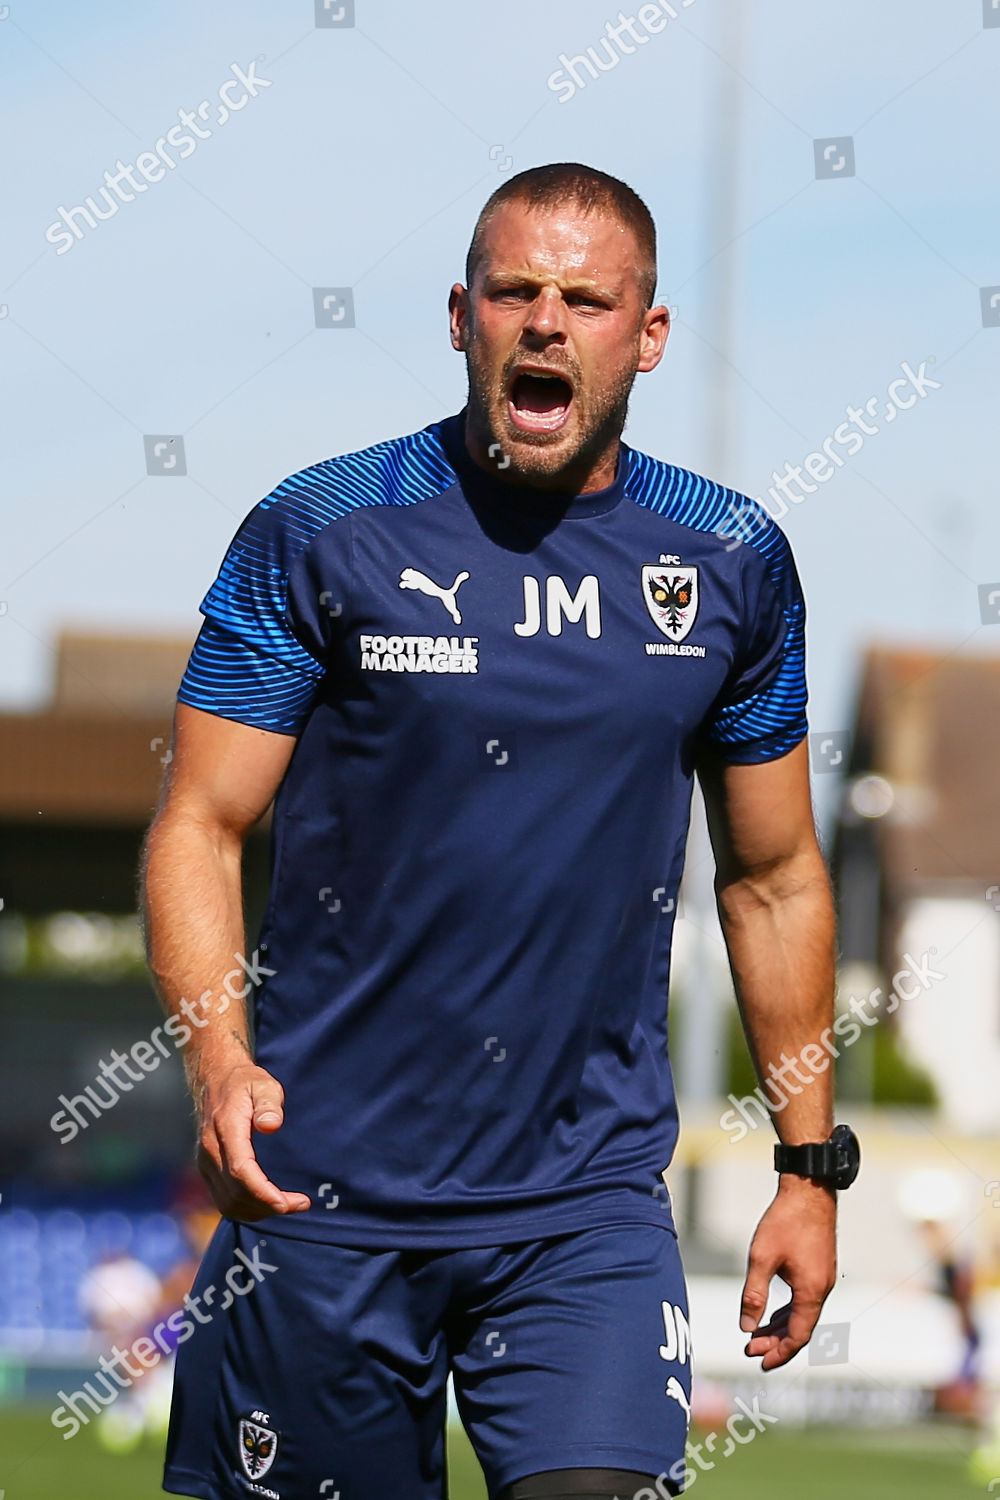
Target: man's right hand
x=233 y=1101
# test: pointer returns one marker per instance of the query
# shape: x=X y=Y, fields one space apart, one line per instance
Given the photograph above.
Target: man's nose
x=546 y=318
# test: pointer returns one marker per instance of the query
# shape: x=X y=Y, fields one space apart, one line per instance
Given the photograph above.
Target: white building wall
x=952 y=1027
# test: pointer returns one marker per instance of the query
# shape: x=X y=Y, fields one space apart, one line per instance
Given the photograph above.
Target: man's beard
x=539 y=458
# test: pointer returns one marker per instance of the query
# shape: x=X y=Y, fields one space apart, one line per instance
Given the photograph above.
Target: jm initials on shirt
x=585 y=604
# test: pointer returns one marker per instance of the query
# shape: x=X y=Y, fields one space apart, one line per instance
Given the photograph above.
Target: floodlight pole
x=703 y=1062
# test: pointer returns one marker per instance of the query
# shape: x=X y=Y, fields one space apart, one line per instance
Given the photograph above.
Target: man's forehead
x=559 y=242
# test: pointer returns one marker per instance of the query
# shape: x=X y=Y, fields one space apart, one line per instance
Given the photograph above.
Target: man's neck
x=581 y=477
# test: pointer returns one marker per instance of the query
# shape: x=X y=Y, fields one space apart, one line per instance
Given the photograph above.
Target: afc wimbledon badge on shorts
x=258 y=1447
x=671 y=595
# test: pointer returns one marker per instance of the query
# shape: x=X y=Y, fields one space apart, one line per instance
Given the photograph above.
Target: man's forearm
x=193 y=918
x=779 y=929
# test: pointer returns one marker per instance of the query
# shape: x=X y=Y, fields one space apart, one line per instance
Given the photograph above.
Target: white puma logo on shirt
x=675 y=1389
x=412 y=578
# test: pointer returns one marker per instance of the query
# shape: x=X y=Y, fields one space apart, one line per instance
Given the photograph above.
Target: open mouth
x=539 y=402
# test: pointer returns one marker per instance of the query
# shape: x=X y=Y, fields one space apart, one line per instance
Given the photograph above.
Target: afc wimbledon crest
x=258 y=1448
x=671 y=595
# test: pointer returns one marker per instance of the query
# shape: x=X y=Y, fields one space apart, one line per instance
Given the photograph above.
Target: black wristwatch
x=835 y=1162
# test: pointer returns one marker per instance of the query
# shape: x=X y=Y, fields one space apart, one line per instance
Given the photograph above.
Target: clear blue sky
x=364 y=163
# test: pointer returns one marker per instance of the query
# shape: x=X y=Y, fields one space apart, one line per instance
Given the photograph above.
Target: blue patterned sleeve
x=761 y=713
x=249 y=661
x=234 y=679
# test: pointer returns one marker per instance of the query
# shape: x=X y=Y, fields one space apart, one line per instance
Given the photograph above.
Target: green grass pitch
x=824 y=1464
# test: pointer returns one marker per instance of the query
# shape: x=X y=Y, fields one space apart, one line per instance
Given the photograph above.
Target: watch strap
x=814 y=1159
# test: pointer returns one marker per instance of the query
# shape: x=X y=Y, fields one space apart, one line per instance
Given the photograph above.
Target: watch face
x=848 y=1154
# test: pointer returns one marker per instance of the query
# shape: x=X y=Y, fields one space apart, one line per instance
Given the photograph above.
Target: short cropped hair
x=569 y=182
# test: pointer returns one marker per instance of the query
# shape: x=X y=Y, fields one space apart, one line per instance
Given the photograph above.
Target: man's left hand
x=796 y=1240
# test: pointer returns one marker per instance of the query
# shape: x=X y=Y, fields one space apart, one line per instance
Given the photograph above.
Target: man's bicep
x=239 y=713
x=222 y=772
x=759 y=815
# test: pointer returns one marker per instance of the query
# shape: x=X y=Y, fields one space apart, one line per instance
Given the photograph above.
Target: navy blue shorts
x=316 y=1370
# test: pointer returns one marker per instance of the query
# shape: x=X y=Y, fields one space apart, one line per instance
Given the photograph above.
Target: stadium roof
x=95 y=754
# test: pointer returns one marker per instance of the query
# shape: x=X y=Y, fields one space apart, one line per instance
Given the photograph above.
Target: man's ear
x=458 y=316
x=653 y=337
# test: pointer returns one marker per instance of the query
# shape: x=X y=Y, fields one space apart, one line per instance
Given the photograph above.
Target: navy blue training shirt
x=499 y=698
